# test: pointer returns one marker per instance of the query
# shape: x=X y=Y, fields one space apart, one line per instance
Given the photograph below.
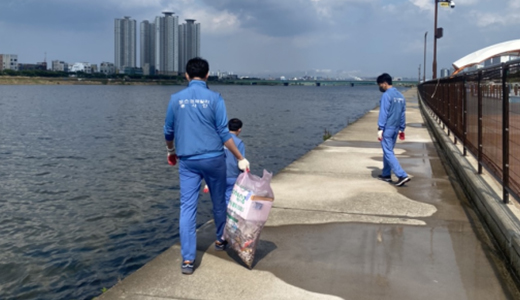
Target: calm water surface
x=86 y=195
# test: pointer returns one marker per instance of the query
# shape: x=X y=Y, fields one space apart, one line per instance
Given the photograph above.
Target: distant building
x=42 y=66
x=59 y=66
x=445 y=73
x=189 y=43
x=132 y=71
x=226 y=75
x=474 y=68
x=125 y=43
x=498 y=60
x=147 y=42
x=81 y=67
x=148 y=70
x=107 y=68
x=94 y=68
x=489 y=56
x=9 y=62
x=167 y=44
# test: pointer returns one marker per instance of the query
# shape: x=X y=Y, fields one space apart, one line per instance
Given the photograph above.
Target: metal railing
x=481 y=110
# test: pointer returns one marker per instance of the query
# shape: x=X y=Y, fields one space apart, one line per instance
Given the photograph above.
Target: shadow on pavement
x=205 y=244
x=263 y=249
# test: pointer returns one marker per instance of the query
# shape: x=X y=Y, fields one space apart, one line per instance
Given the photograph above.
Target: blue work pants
x=191 y=173
x=390 y=162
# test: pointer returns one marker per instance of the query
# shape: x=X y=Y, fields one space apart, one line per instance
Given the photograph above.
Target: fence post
x=479 y=91
x=505 y=133
x=443 y=99
x=447 y=107
x=457 y=109
x=465 y=117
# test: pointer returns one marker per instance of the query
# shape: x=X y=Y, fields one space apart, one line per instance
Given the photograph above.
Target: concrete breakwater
x=336 y=232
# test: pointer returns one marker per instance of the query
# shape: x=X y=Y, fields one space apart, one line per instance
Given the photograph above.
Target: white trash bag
x=247 y=212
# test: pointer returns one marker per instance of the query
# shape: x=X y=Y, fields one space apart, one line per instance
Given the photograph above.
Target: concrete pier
x=336 y=232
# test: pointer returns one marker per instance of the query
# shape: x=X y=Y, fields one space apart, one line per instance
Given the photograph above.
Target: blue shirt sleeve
x=403 y=118
x=242 y=149
x=169 y=132
x=384 y=106
x=221 y=121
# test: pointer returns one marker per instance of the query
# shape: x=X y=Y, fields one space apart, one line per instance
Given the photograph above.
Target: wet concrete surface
x=336 y=232
x=360 y=261
x=452 y=257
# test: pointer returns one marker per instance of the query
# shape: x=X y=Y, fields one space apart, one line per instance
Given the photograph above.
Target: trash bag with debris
x=247 y=212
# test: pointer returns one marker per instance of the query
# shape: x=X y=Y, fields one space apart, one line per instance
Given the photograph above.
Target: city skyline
x=360 y=38
x=166 y=46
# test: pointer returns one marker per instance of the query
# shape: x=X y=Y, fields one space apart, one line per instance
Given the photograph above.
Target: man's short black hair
x=197 y=67
x=384 y=78
x=234 y=124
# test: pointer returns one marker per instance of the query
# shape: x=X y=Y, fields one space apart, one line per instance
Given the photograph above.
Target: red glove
x=171 y=156
x=172 y=159
x=401 y=135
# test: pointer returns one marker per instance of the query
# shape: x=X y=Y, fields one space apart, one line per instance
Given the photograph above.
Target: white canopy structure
x=477 y=57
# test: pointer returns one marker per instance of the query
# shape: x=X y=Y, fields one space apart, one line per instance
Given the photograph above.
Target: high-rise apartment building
x=107 y=68
x=167 y=44
x=125 y=43
x=445 y=72
x=60 y=66
x=9 y=62
x=189 y=42
x=147 y=42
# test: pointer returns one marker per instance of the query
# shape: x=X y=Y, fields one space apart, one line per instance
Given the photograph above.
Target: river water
x=86 y=195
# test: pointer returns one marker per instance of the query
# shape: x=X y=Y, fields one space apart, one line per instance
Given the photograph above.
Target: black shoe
x=220 y=245
x=402 y=181
x=187 y=267
x=385 y=178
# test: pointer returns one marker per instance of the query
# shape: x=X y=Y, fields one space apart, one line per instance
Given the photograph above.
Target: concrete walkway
x=337 y=232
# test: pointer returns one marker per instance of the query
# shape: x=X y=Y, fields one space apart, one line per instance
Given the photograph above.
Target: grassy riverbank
x=22 y=80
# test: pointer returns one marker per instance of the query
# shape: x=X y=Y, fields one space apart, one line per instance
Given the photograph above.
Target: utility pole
x=438 y=32
x=424 y=65
x=435 y=37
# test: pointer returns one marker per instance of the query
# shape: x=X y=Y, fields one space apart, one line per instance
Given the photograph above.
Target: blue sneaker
x=220 y=245
x=402 y=181
x=187 y=267
x=385 y=178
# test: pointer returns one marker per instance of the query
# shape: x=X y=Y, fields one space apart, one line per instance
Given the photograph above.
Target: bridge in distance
x=323 y=82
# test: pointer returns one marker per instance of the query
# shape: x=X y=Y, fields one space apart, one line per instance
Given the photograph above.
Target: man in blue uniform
x=196 y=131
x=392 y=121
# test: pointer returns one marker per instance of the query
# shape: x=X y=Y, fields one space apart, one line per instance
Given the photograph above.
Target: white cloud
x=484 y=19
x=138 y=3
x=466 y=2
x=514 y=4
x=428 y=5
x=506 y=16
x=327 y=8
x=213 y=22
x=423 y=4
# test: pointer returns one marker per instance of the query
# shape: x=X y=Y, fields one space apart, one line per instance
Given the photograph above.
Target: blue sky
x=336 y=37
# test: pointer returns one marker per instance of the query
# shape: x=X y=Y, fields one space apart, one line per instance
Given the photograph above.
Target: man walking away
x=196 y=131
x=391 y=123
